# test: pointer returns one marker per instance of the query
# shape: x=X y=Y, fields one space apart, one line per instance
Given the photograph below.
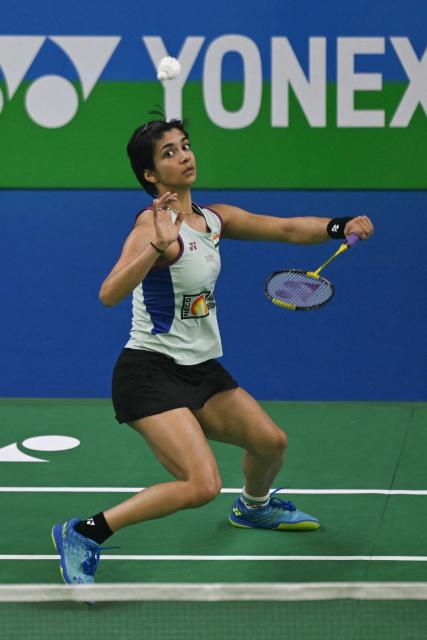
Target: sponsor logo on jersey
x=197 y=305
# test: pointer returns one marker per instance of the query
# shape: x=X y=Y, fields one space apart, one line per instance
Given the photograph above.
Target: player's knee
x=205 y=490
x=282 y=441
x=275 y=444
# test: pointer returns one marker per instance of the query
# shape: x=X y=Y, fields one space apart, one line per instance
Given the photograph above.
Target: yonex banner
x=310 y=97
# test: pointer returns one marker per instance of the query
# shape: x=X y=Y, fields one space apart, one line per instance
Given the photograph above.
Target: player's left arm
x=243 y=225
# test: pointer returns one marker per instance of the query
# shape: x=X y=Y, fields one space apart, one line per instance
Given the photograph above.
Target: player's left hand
x=361 y=226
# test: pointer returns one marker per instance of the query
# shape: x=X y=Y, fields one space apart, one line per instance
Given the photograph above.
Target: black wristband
x=336 y=226
x=156 y=248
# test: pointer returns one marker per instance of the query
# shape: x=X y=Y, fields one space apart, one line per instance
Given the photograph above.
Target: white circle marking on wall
x=51 y=101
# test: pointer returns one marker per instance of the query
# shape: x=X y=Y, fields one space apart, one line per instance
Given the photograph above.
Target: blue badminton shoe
x=79 y=555
x=276 y=514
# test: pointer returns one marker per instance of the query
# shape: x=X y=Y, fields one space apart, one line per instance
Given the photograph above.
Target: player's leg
x=180 y=444
x=235 y=417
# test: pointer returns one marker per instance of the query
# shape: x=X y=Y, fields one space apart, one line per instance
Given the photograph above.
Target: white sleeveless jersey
x=174 y=310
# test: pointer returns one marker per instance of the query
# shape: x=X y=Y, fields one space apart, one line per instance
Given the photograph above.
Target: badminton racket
x=300 y=290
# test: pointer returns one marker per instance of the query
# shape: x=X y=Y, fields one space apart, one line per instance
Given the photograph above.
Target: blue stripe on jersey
x=159 y=299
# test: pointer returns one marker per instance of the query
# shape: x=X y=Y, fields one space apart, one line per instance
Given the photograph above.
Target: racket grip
x=352 y=239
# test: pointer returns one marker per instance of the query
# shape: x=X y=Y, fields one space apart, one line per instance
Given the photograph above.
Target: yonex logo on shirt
x=192 y=246
x=198 y=305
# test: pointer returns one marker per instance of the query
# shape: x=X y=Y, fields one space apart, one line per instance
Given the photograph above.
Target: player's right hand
x=167 y=231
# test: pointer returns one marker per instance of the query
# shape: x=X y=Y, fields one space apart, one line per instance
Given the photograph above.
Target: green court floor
x=357 y=447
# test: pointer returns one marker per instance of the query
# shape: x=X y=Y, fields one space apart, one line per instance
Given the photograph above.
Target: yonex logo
x=192 y=246
x=52 y=101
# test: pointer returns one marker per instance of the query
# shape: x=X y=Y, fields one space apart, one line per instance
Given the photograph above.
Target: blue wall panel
x=368 y=344
x=296 y=19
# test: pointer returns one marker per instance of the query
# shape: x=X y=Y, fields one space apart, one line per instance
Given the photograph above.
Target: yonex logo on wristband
x=336 y=226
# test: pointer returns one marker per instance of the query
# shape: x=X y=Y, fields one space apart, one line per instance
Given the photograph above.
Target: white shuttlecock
x=168 y=69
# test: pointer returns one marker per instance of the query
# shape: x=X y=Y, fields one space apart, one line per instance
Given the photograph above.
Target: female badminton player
x=168 y=384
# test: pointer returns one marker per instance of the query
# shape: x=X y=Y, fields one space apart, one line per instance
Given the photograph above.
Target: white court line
x=236 y=558
x=386 y=492
x=212 y=592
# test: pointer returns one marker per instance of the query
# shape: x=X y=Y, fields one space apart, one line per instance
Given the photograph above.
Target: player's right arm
x=137 y=258
x=138 y=254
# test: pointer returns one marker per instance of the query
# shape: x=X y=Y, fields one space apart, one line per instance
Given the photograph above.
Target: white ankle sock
x=254 y=502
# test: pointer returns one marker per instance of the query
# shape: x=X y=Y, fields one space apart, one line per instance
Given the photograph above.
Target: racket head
x=298 y=290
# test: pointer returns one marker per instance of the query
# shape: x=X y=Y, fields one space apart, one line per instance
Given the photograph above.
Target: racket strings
x=298 y=289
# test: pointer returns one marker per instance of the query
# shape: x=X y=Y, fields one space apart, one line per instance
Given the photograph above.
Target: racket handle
x=352 y=239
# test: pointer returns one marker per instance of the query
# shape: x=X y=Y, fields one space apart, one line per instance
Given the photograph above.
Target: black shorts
x=146 y=383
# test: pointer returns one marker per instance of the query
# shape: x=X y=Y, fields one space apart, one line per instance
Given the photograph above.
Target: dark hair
x=140 y=147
